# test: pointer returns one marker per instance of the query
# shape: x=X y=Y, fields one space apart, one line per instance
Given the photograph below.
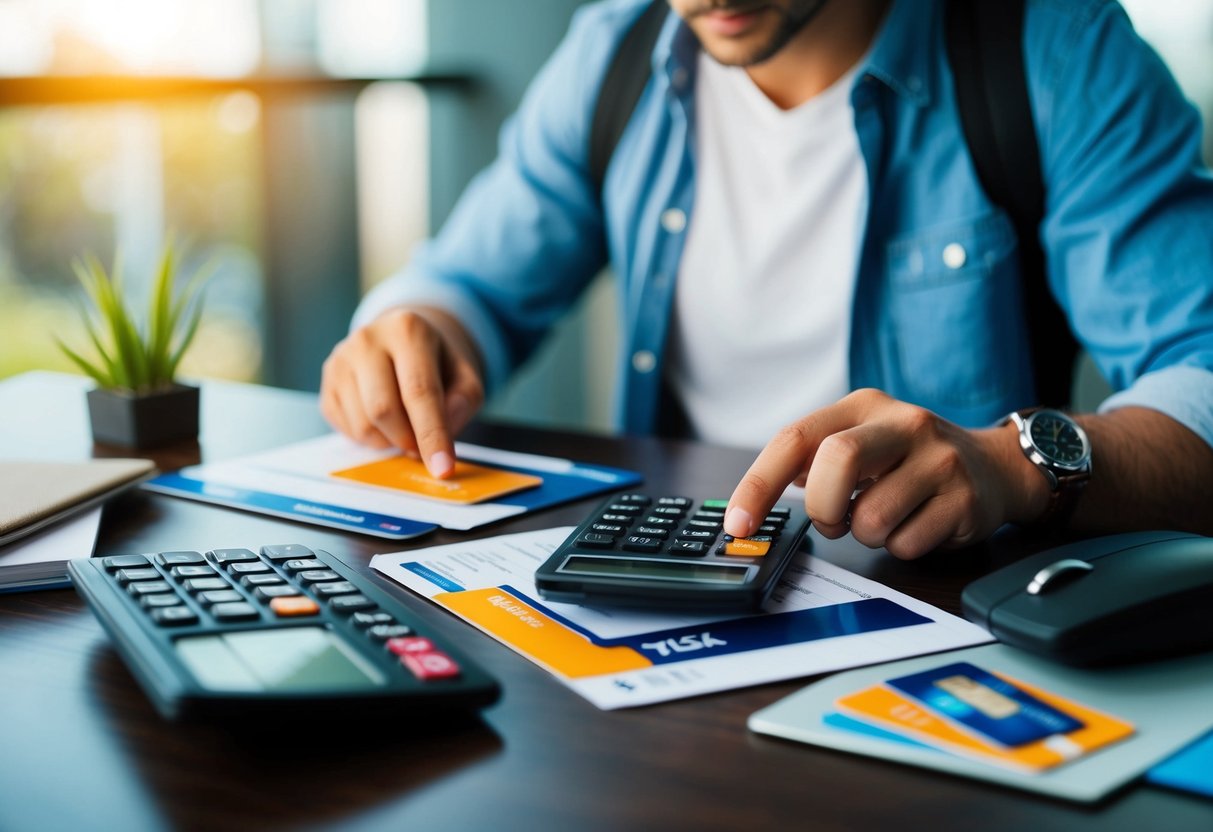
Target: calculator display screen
x=280 y=660
x=706 y=573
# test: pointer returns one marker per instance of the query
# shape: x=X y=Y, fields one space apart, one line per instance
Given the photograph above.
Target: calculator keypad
x=283 y=585
x=670 y=552
x=676 y=527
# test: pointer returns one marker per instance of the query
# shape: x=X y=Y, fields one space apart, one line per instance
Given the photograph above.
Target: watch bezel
x=1039 y=457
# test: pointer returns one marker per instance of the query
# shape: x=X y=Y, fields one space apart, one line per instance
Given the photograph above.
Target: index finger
x=421 y=389
x=783 y=460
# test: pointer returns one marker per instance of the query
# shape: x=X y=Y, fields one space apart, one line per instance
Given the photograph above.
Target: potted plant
x=137 y=402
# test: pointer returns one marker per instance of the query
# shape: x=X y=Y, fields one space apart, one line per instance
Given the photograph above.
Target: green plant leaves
x=129 y=358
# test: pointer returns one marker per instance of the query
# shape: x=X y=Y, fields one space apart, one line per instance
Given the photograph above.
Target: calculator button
x=179 y=558
x=774 y=520
x=780 y=511
x=149 y=587
x=181 y=572
x=220 y=596
x=678 y=502
x=596 y=541
x=235 y=611
x=705 y=525
x=636 y=543
x=301 y=565
x=232 y=555
x=126 y=576
x=688 y=547
x=623 y=508
x=269 y=593
x=664 y=522
x=668 y=511
x=653 y=531
x=636 y=499
x=315 y=576
x=697 y=534
x=423 y=659
x=252 y=581
x=351 y=603
x=744 y=547
x=382 y=632
x=367 y=619
x=249 y=568
x=330 y=590
x=159 y=601
x=294 y=606
x=176 y=616
x=617 y=518
x=606 y=528
x=124 y=561
x=410 y=644
x=715 y=505
x=769 y=528
x=716 y=516
x=286 y=551
x=206 y=584
x=430 y=666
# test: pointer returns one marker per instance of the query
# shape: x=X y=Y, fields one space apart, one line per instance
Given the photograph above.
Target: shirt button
x=643 y=361
x=678 y=78
x=673 y=220
x=954 y=255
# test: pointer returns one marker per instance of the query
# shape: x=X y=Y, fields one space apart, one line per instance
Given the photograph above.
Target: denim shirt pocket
x=956 y=311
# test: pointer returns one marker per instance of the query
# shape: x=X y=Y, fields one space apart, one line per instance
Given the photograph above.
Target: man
x=799 y=167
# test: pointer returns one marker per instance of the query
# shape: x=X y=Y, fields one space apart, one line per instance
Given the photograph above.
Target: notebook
x=34 y=495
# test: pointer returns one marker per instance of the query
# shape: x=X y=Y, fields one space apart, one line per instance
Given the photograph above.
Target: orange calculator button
x=292 y=605
x=747 y=548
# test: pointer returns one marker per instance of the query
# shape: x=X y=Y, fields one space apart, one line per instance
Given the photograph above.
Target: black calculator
x=286 y=631
x=669 y=552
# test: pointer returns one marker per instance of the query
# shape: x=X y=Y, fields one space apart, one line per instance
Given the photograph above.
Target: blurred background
x=304 y=147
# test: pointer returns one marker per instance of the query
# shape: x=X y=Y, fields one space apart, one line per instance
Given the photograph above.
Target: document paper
x=297 y=482
x=821 y=618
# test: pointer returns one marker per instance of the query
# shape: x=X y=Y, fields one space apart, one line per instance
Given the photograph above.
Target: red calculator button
x=410 y=644
x=431 y=665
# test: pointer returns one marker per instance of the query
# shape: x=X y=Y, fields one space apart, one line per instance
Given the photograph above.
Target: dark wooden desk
x=81 y=748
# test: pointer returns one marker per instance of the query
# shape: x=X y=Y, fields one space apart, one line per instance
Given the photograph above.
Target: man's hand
x=409 y=379
x=894 y=475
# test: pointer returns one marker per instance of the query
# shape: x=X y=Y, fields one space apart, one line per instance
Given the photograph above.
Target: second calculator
x=670 y=552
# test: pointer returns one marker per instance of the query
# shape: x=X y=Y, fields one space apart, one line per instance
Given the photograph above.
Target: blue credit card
x=982 y=702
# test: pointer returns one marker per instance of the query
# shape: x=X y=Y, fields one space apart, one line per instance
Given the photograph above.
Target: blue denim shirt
x=1128 y=232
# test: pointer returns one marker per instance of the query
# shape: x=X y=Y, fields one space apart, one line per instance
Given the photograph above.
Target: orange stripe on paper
x=533 y=633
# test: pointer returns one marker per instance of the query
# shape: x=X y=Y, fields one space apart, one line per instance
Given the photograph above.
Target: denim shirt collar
x=900 y=56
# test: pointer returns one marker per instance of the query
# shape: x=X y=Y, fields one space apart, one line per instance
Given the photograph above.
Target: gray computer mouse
x=1108 y=600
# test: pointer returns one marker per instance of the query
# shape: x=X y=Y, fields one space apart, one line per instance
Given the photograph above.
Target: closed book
x=50 y=513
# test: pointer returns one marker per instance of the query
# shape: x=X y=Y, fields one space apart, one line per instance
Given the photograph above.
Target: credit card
x=985 y=704
x=886 y=710
x=470 y=483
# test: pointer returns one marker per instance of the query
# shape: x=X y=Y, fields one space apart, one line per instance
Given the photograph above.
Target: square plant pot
x=144 y=421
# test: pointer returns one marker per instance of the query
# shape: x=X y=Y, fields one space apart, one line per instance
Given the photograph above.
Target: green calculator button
x=719 y=505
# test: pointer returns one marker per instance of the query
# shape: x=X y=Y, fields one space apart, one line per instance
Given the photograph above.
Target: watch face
x=1057 y=439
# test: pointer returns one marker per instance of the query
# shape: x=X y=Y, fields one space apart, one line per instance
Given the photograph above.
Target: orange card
x=470 y=483
x=888 y=709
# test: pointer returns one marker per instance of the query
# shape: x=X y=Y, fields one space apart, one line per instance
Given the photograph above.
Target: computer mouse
x=1108 y=600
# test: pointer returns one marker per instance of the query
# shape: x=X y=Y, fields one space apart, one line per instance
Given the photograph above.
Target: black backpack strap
x=625 y=80
x=985 y=48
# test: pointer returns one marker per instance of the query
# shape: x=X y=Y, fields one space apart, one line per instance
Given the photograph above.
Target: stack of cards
x=963 y=710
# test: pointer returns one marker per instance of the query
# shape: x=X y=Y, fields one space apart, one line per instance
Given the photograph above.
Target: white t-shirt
x=762 y=308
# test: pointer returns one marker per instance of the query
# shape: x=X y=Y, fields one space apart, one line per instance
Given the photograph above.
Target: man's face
x=745 y=32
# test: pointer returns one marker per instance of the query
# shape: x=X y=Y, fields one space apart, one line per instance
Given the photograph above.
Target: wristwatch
x=1061 y=450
